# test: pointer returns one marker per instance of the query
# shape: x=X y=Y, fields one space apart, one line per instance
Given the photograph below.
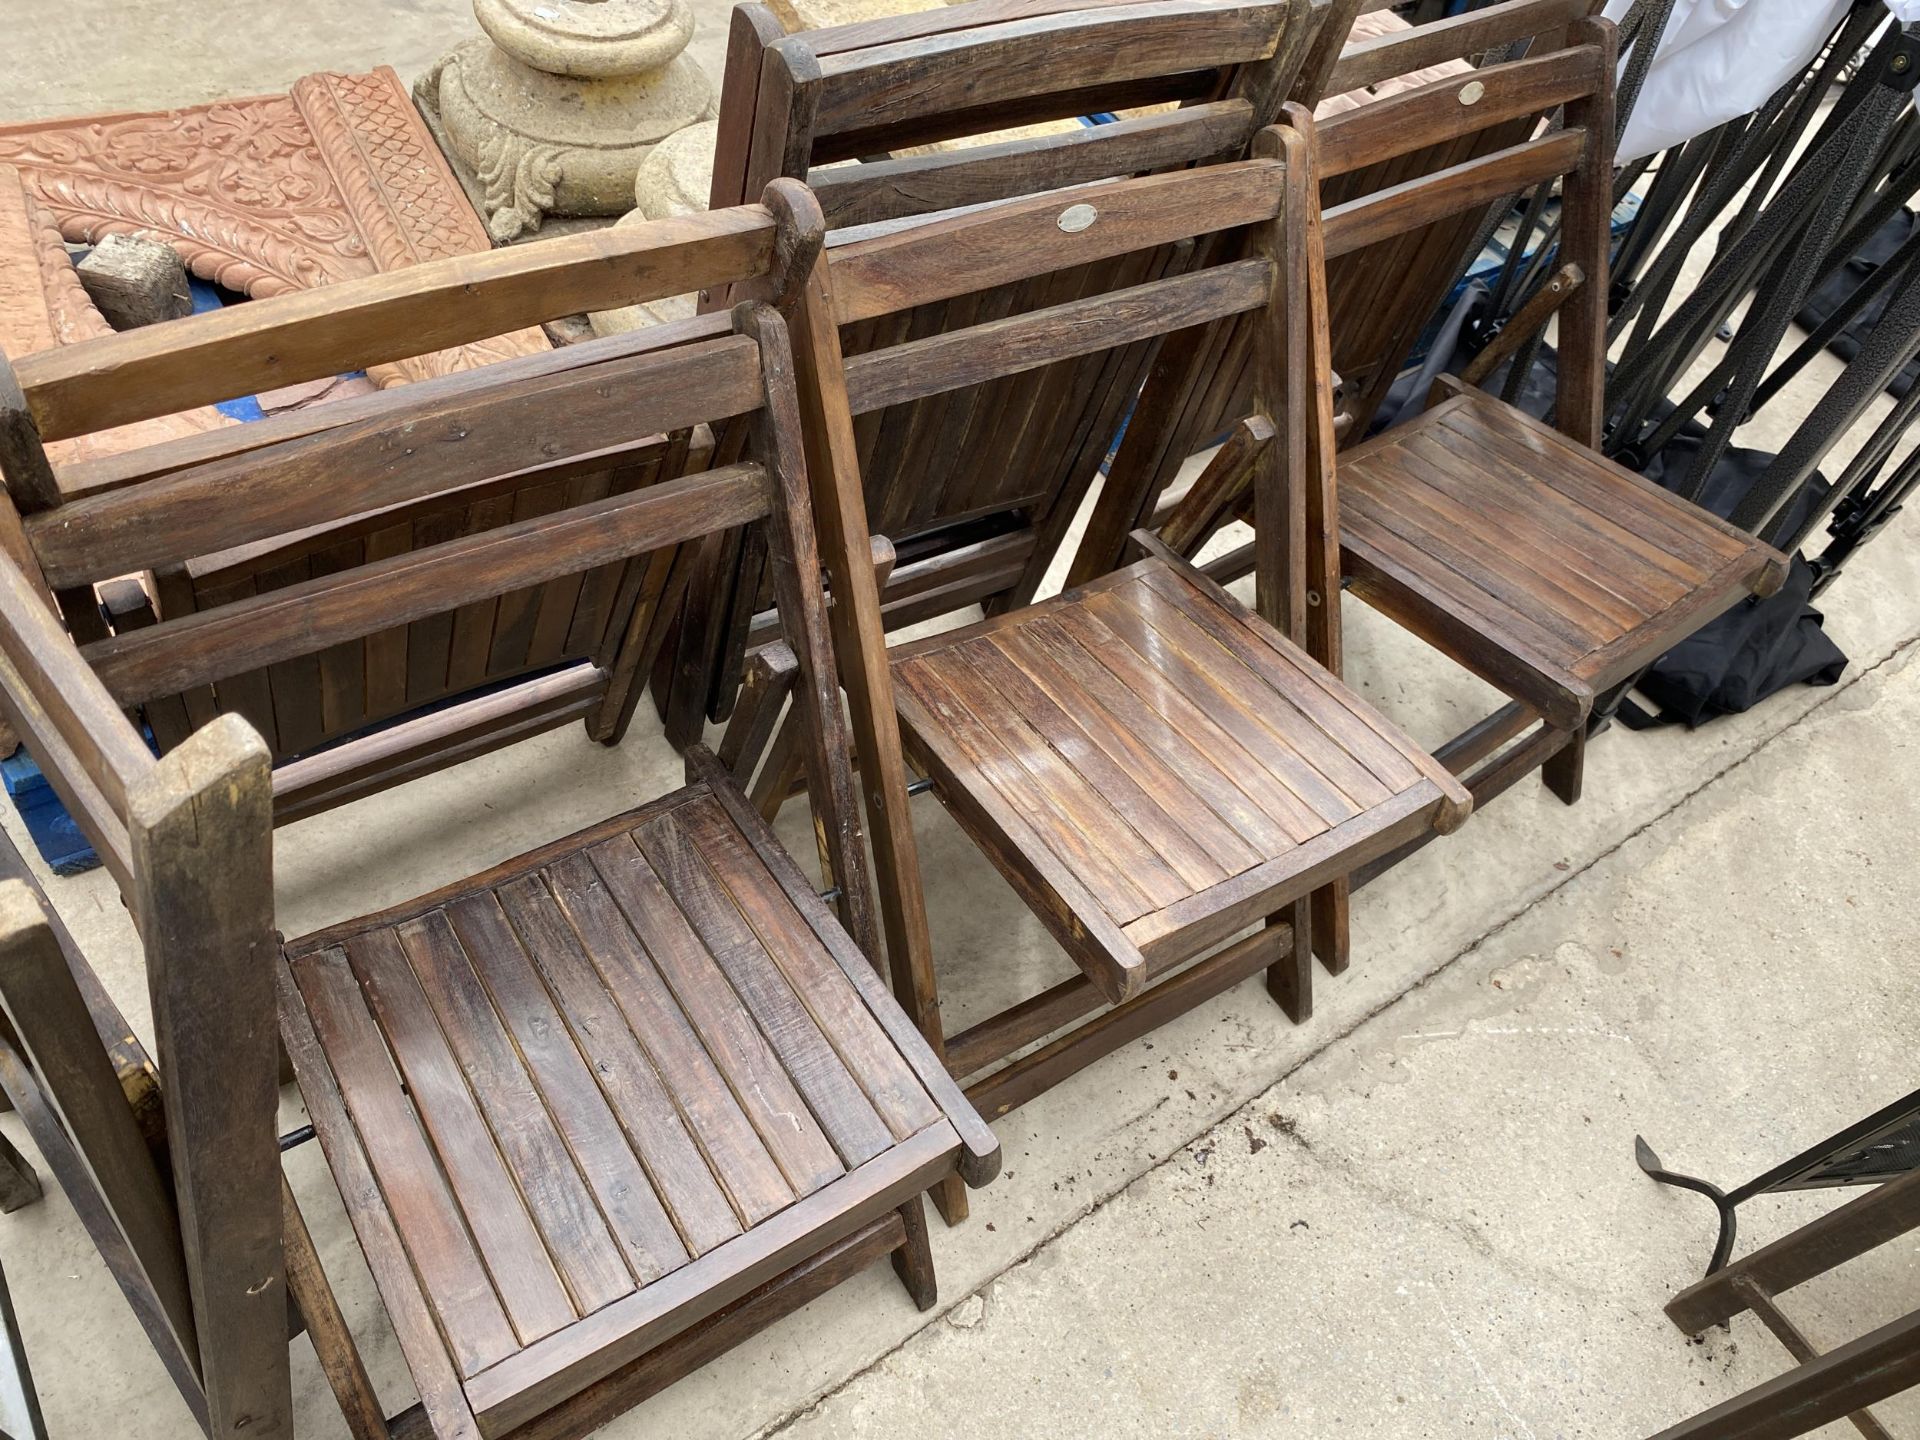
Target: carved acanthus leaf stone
x=336 y=179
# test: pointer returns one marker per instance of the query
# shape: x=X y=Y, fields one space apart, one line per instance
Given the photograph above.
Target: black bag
x=1728 y=666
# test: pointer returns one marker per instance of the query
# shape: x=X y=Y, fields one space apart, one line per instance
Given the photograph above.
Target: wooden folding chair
x=399 y=701
x=976 y=490
x=1154 y=767
x=595 y=1113
x=1510 y=545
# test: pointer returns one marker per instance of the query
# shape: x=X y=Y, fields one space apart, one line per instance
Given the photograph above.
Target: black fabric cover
x=1756 y=649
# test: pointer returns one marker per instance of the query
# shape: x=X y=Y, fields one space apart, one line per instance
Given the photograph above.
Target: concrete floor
x=1416 y=1216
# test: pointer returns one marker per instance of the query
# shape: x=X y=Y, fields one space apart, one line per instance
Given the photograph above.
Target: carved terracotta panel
x=337 y=178
x=43 y=304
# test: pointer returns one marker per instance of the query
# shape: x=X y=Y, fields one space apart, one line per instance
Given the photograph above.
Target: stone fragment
x=134 y=280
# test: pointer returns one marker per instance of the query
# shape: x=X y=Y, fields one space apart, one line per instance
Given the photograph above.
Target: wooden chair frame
x=1823 y=1387
x=411 y=697
x=1000 y=244
x=1198 y=387
x=195 y=1220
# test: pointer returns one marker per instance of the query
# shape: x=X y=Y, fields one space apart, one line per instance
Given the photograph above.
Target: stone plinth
x=556 y=109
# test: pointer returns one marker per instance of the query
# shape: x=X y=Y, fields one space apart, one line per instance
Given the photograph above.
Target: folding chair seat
x=977 y=489
x=1536 y=561
x=1156 y=767
x=605 y=1090
x=596 y=1113
x=1510 y=545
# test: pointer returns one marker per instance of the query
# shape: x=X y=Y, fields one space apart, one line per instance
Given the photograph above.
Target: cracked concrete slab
x=1436 y=1227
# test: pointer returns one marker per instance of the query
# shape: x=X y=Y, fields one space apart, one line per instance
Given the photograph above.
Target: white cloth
x=1720 y=59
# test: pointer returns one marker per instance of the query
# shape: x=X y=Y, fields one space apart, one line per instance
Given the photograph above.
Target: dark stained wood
x=995 y=63
x=1413 y=119
x=1000 y=716
x=890 y=189
x=53 y=1029
x=1013 y=1085
x=1026 y=342
x=519 y=1387
x=333 y=1342
x=607 y=1399
x=414 y=450
x=636 y=1065
x=739 y=1161
x=1550 y=554
x=402 y=1290
x=19 y=1186
x=1018 y=450
x=291 y=621
x=563 y=944
x=1023 y=239
x=1413 y=204
x=1366 y=62
x=199 y=828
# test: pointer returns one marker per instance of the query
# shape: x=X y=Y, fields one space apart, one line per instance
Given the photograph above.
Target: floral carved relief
x=336 y=179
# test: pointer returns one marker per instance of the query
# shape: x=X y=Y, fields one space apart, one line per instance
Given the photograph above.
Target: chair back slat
x=985 y=248
x=1437 y=113
x=98 y=475
x=1368 y=62
x=331 y=610
x=1022 y=343
x=53 y=1030
x=1417 y=204
x=991 y=65
x=315 y=334
x=887 y=189
x=417 y=446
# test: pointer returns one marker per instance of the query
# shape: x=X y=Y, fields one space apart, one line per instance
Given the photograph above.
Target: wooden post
x=200 y=828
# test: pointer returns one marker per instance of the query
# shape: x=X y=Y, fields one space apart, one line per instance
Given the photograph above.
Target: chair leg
x=1332 y=928
x=786 y=759
x=913 y=1261
x=1565 y=770
x=1290 y=979
x=19 y=1186
x=333 y=1343
x=950 y=1199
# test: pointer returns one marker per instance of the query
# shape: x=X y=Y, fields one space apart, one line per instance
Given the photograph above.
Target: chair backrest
x=1383 y=288
x=288 y=505
x=1025 y=245
x=1378 y=148
x=974 y=487
x=188 y=835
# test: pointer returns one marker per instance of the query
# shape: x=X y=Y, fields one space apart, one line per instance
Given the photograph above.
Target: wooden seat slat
x=743 y=1054
x=465 y=1305
x=510 y=1095
x=530 y=1290
x=739 y=1160
x=816 y=980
